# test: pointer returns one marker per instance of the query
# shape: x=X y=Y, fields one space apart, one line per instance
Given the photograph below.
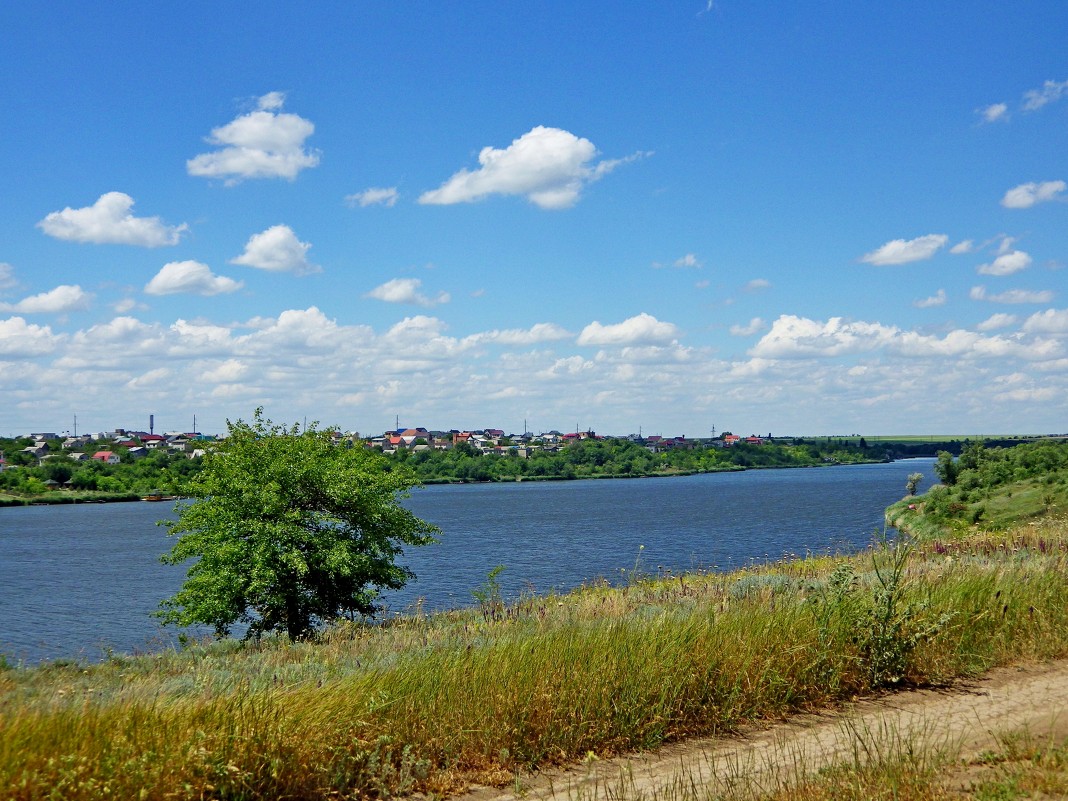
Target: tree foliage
x=289 y=530
x=611 y=457
x=946 y=469
x=913 y=483
x=983 y=479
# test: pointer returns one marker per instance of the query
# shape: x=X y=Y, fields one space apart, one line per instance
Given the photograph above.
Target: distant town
x=110 y=447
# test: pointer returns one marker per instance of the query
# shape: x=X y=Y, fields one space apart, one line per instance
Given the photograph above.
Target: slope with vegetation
x=988 y=489
x=433 y=703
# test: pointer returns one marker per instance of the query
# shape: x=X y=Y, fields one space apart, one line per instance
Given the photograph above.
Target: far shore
x=63 y=498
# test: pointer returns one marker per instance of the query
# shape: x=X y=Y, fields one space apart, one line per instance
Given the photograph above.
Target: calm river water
x=76 y=581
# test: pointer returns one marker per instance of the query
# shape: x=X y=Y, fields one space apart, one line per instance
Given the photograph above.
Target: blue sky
x=796 y=218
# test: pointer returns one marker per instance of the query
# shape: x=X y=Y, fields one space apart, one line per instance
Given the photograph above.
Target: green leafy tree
x=289 y=531
x=946 y=468
x=913 y=482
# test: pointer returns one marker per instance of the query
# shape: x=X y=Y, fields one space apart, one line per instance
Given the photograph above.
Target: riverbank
x=987 y=489
x=436 y=702
x=65 y=497
x=550 y=535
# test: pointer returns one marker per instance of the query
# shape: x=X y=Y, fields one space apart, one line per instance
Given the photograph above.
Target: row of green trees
x=592 y=458
x=979 y=466
x=981 y=473
x=600 y=458
x=156 y=471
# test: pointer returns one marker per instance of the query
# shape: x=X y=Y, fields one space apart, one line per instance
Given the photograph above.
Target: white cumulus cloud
x=801 y=338
x=264 y=143
x=7 y=276
x=124 y=305
x=406 y=290
x=937 y=299
x=754 y=325
x=374 y=196
x=1027 y=195
x=190 y=278
x=643 y=329
x=791 y=336
x=110 y=221
x=997 y=321
x=1050 y=91
x=689 y=260
x=548 y=166
x=1012 y=295
x=225 y=372
x=277 y=250
x=19 y=338
x=62 y=299
x=536 y=334
x=902 y=251
x=965 y=246
x=1050 y=321
x=995 y=112
x=1006 y=264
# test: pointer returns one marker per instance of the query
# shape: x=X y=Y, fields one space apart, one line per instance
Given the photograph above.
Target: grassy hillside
x=988 y=489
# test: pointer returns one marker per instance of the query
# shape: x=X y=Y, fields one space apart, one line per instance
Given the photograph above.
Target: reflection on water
x=78 y=580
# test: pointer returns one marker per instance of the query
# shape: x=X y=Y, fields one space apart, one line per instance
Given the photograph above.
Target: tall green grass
x=432 y=703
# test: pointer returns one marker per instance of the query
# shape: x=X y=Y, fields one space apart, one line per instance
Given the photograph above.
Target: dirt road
x=968 y=717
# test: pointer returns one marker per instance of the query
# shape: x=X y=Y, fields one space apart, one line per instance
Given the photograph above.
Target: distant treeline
x=621 y=458
x=59 y=478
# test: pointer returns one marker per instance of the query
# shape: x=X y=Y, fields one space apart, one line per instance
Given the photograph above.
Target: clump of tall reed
x=432 y=702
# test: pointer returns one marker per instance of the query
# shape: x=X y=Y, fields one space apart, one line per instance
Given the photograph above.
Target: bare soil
x=967 y=718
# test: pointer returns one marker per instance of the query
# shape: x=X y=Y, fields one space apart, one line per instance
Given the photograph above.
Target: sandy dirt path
x=969 y=717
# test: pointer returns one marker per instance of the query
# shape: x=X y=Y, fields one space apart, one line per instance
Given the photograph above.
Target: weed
x=380 y=769
x=490 y=600
x=885 y=622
